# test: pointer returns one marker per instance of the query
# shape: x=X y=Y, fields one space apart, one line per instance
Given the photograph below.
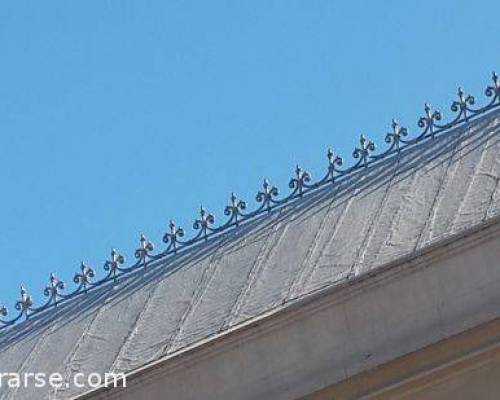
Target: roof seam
x=368 y=236
x=471 y=183
x=133 y=330
x=257 y=267
x=309 y=253
x=440 y=190
x=330 y=240
x=198 y=295
x=74 y=350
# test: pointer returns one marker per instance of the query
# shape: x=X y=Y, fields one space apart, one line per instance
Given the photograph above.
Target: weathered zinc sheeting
x=438 y=188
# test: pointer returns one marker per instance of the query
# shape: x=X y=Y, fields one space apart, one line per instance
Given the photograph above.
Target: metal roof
x=385 y=207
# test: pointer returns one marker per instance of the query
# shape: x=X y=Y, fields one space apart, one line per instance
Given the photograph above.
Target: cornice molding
x=303 y=307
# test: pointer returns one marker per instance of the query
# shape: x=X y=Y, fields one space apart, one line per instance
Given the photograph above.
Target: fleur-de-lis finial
x=462 y=104
x=395 y=136
x=84 y=277
x=203 y=223
x=173 y=236
x=25 y=303
x=334 y=161
x=266 y=195
x=428 y=121
x=143 y=252
x=362 y=152
x=302 y=178
x=52 y=290
x=493 y=91
x=113 y=264
x=233 y=210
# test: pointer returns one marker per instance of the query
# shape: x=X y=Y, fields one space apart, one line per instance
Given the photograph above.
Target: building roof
x=368 y=217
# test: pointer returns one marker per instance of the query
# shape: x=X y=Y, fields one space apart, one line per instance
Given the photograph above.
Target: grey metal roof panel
x=432 y=190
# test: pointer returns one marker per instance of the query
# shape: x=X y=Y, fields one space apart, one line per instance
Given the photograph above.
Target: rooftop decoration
x=236 y=212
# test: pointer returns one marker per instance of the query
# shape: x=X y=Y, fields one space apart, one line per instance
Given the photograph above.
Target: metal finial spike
x=116 y=257
x=333 y=161
x=145 y=243
x=333 y=158
x=302 y=178
x=173 y=236
x=203 y=223
x=113 y=264
x=23 y=292
x=266 y=195
x=143 y=253
x=493 y=91
x=462 y=104
x=363 y=151
x=394 y=137
x=84 y=277
x=24 y=304
x=496 y=80
x=427 y=122
x=233 y=210
x=52 y=290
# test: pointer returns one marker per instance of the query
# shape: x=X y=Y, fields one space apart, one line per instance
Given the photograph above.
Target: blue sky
x=118 y=115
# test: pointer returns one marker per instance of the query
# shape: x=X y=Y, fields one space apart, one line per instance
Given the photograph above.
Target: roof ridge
x=300 y=185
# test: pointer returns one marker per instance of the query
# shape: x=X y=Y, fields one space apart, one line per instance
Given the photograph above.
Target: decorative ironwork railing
x=300 y=184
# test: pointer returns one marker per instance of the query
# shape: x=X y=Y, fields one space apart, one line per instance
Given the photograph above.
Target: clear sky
x=118 y=115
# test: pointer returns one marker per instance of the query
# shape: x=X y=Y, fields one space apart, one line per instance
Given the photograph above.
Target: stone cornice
x=308 y=305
